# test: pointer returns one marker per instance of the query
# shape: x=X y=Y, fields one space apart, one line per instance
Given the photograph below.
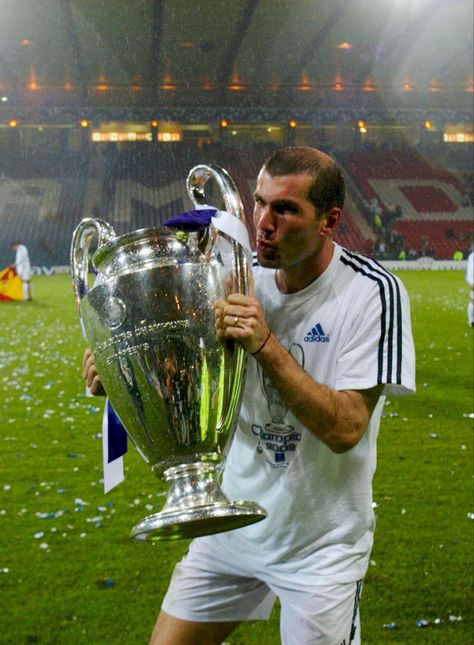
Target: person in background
x=402 y=255
x=23 y=268
x=470 y=281
x=328 y=333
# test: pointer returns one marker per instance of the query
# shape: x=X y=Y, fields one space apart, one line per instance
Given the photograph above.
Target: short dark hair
x=327 y=189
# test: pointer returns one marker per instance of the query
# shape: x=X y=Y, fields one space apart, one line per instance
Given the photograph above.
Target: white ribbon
x=231 y=226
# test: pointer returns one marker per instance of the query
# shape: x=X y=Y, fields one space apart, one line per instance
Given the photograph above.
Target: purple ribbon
x=117 y=435
x=192 y=221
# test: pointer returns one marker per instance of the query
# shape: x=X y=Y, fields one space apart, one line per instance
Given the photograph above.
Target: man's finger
x=251 y=283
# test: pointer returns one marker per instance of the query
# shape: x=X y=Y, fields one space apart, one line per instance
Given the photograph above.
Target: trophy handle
x=81 y=240
x=195 y=183
x=237 y=356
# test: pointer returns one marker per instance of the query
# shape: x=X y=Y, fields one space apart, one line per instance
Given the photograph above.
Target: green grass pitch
x=68 y=571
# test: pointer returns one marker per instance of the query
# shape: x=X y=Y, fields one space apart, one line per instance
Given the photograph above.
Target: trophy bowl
x=149 y=322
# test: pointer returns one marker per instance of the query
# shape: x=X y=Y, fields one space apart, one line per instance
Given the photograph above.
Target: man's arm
x=338 y=418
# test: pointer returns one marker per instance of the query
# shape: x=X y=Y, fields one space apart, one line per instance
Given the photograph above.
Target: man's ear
x=331 y=222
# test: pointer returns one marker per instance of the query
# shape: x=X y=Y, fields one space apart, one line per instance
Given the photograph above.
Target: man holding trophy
x=328 y=334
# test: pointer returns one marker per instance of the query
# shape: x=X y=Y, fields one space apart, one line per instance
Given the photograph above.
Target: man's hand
x=90 y=375
x=241 y=318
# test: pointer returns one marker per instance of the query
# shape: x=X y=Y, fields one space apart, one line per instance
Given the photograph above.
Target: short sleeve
x=378 y=343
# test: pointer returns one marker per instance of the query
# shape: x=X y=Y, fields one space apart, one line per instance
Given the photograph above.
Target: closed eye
x=278 y=207
x=285 y=207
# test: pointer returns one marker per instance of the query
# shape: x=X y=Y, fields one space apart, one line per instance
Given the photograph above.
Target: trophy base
x=182 y=524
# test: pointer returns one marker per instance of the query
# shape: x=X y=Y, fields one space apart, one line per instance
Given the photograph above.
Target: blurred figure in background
x=23 y=268
x=470 y=281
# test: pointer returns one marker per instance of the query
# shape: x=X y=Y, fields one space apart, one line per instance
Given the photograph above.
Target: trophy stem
x=195 y=506
x=193 y=485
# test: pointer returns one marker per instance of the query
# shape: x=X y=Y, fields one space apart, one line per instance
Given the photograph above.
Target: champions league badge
x=277 y=440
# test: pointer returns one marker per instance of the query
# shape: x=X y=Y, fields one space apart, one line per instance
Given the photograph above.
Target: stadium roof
x=230 y=52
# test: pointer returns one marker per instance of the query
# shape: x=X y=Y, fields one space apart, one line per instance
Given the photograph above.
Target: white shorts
x=208 y=586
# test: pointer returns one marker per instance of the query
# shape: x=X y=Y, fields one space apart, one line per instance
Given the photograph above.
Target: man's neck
x=293 y=279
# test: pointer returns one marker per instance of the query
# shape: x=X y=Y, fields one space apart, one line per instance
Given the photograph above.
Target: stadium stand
x=431 y=212
x=135 y=186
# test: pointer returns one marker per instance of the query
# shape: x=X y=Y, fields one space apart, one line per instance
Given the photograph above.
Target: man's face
x=287 y=224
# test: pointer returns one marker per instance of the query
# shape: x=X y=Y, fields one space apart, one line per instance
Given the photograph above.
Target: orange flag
x=10 y=285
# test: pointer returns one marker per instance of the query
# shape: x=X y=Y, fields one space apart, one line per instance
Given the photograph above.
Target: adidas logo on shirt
x=316 y=335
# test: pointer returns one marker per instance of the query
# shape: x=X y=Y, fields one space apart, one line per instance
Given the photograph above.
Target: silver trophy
x=149 y=321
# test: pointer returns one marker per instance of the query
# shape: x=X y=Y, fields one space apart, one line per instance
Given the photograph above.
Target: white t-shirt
x=349 y=329
x=22 y=262
x=470 y=269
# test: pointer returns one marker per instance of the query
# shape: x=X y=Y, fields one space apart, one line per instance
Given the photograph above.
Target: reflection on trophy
x=149 y=321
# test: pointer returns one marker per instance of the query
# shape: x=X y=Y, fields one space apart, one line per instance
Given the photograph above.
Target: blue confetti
x=105 y=582
x=422 y=623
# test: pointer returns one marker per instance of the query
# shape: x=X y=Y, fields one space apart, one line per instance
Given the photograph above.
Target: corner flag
x=10 y=285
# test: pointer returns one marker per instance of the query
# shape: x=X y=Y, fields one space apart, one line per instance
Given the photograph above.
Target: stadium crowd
x=97 y=180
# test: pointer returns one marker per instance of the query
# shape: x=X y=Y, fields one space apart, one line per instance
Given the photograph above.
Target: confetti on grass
x=105 y=582
x=422 y=623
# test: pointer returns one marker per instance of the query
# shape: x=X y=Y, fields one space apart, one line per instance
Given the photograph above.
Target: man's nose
x=265 y=220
